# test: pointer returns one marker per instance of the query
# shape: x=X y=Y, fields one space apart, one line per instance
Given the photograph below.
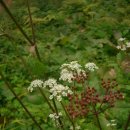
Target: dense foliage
x=66 y=30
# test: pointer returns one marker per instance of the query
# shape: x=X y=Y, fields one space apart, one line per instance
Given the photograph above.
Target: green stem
x=49 y=104
x=59 y=119
x=127 y=123
x=33 y=32
x=68 y=115
x=96 y=114
x=20 y=29
x=31 y=22
x=27 y=111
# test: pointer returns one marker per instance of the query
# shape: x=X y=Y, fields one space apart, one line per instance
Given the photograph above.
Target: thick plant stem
x=31 y=21
x=128 y=122
x=96 y=114
x=68 y=115
x=20 y=29
x=27 y=111
x=33 y=31
x=44 y=96
x=56 y=110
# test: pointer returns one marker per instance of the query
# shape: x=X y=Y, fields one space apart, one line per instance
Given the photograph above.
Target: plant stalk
x=68 y=115
x=127 y=123
x=59 y=119
x=49 y=104
x=96 y=115
x=27 y=111
x=20 y=29
x=31 y=22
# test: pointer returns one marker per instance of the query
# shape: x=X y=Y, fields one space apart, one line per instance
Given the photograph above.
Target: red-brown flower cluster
x=78 y=107
x=111 y=95
x=81 y=104
x=80 y=78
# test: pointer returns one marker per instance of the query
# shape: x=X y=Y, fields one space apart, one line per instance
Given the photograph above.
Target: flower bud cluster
x=80 y=78
x=111 y=95
x=76 y=107
x=109 y=84
x=80 y=104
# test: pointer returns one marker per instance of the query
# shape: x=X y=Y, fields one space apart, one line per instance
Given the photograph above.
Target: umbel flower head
x=123 y=44
x=70 y=70
x=59 y=91
x=77 y=127
x=34 y=84
x=66 y=75
x=91 y=66
x=55 y=116
x=50 y=83
x=56 y=90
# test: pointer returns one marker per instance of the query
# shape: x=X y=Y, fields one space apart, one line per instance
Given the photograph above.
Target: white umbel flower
x=50 y=83
x=118 y=47
x=123 y=44
x=113 y=120
x=69 y=70
x=55 y=116
x=71 y=127
x=66 y=75
x=112 y=123
x=59 y=91
x=77 y=128
x=74 y=65
x=34 y=84
x=108 y=124
x=52 y=116
x=59 y=98
x=122 y=47
x=121 y=39
x=91 y=66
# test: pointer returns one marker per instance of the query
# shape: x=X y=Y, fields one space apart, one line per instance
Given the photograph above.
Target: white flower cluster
x=50 y=83
x=77 y=128
x=66 y=75
x=34 y=84
x=91 y=66
x=69 y=70
x=57 y=90
x=121 y=39
x=123 y=44
x=112 y=123
x=54 y=116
